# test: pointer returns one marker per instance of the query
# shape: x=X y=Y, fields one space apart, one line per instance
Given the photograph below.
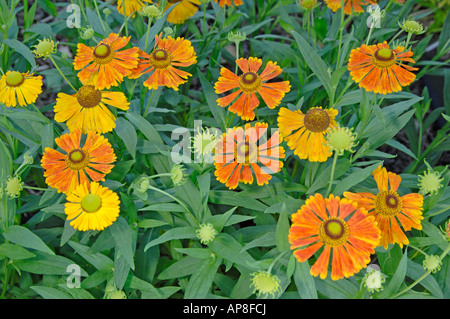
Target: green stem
x=333 y=167
x=99 y=16
x=62 y=74
x=148 y=32
x=341 y=29
x=446 y=251
x=39 y=188
x=148 y=103
x=40 y=113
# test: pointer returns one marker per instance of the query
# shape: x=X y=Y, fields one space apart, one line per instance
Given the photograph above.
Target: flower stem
x=341 y=29
x=99 y=16
x=62 y=74
x=148 y=103
x=333 y=167
x=148 y=32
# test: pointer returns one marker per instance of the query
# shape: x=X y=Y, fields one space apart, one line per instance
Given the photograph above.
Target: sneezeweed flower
x=248 y=84
x=203 y=144
x=66 y=171
x=14 y=186
x=432 y=263
x=430 y=182
x=206 y=233
x=87 y=109
x=411 y=26
x=304 y=133
x=379 y=69
x=91 y=206
x=105 y=65
x=265 y=285
x=131 y=6
x=229 y=3
x=168 y=54
x=242 y=153
x=340 y=139
x=44 y=48
x=389 y=208
x=178 y=175
x=373 y=280
x=350 y=6
x=19 y=88
x=184 y=9
x=345 y=232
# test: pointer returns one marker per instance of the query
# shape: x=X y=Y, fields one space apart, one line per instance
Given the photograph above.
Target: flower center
x=14 y=78
x=103 y=54
x=160 y=59
x=246 y=153
x=91 y=203
x=250 y=82
x=383 y=58
x=316 y=120
x=333 y=231
x=77 y=159
x=388 y=203
x=88 y=96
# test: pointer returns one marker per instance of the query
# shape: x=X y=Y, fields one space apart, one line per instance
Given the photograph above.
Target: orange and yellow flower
x=87 y=109
x=347 y=234
x=389 y=209
x=349 y=5
x=248 y=84
x=92 y=207
x=242 y=153
x=105 y=65
x=66 y=171
x=131 y=6
x=19 y=88
x=305 y=133
x=184 y=9
x=168 y=54
x=230 y=3
x=379 y=69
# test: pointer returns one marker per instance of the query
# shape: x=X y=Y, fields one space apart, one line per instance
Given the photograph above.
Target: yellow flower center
x=250 y=82
x=91 y=203
x=88 y=96
x=14 y=78
x=103 y=54
x=383 y=58
x=316 y=120
x=246 y=153
x=388 y=203
x=160 y=59
x=333 y=231
x=77 y=159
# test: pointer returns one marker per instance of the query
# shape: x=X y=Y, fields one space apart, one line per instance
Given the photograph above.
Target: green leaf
x=304 y=281
x=183 y=267
x=174 y=233
x=98 y=260
x=315 y=62
x=50 y=293
x=282 y=230
x=201 y=281
x=26 y=238
x=399 y=277
x=228 y=248
x=125 y=130
x=121 y=232
x=211 y=98
x=46 y=264
x=15 y=252
x=150 y=223
x=22 y=49
x=354 y=178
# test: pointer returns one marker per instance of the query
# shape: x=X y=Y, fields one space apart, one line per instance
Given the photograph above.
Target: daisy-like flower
x=345 y=232
x=376 y=68
x=242 y=153
x=230 y=3
x=304 y=133
x=168 y=54
x=131 y=6
x=19 y=88
x=389 y=209
x=184 y=9
x=92 y=207
x=106 y=64
x=248 y=84
x=66 y=171
x=349 y=5
x=87 y=109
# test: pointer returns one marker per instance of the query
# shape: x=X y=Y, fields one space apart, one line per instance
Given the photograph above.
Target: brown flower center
x=160 y=59
x=250 y=82
x=388 y=203
x=333 y=231
x=246 y=153
x=103 y=54
x=88 y=96
x=383 y=58
x=77 y=159
x=316 y=120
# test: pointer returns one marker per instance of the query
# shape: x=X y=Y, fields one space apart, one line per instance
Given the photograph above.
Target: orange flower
x=105 y=65
x=346 y=232
x=223 y=3
x=66 y=171
x=242 y=152
x=389 y=209
x=349 y=5
x=304 y=133
x=168 y=54
x=376 y=68
x=250 y=83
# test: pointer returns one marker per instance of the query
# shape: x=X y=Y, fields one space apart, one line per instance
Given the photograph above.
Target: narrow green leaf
x=200 y=283
x=126 y=131
x=211 y=98
x=282 y=230
x=174 y=233
x=304 y=281
x=22 y=49
x=24 y=237
x=15 y=252
x=399 y=277
x=121 y=232
x=50 y=293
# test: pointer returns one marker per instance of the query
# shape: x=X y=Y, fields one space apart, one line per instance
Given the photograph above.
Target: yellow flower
x=184 y=9
x=19 y=88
